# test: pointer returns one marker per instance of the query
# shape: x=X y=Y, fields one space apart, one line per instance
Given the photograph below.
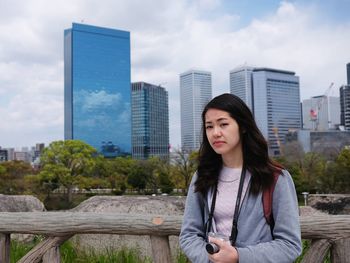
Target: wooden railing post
x=52 y=255
x=160 y=249
x=160 y=243
x=317 y=251
x=340 y=252
x=44 y=249
x=5 y=241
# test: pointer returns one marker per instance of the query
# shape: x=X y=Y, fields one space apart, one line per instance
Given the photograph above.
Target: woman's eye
x=224 y=124
x=208 y=127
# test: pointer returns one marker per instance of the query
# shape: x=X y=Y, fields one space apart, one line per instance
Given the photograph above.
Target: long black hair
x=254 y=146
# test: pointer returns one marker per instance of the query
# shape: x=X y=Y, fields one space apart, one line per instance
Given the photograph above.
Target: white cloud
x=167 y=38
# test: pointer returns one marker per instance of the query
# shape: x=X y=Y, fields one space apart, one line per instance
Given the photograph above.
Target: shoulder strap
x=267 y=199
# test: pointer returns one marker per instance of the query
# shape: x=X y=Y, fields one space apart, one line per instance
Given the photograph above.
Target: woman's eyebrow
x=220 y=119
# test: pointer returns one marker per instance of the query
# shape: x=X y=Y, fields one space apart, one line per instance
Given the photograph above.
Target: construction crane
x=278 y=142
x=315 y=112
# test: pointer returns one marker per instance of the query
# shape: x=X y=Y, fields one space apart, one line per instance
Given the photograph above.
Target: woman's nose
x=217 y=131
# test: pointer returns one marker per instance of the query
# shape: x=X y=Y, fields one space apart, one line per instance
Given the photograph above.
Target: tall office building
x=195 y=93
x=3 y=155
x=276 y=105
x=321 y=113
x=345 y=106
x=345 y=101
x=10 y=154
x=97 y=88
x=273 y=96
x=150 y=121
x=241 y=84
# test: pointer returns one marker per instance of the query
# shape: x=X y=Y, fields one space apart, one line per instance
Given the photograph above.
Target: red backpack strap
x=267 y=199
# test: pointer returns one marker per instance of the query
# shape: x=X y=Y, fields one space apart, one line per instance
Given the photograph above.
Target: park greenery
x=72 y=164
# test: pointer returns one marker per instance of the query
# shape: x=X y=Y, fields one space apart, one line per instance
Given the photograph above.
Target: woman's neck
x=233 y=160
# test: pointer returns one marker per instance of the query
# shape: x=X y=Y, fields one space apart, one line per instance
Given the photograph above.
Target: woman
x=225 y=195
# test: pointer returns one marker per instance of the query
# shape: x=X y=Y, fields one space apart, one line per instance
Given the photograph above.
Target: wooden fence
x=326 y=232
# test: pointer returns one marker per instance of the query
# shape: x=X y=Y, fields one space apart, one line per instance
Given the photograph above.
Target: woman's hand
x=226 y=254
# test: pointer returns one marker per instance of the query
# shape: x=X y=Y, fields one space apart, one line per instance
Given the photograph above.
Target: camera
x=211 y=247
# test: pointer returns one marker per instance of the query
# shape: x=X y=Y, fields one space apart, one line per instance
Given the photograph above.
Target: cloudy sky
x=309 y=37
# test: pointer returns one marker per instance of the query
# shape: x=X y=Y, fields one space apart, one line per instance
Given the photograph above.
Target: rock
x=160 y=205
x=21 y=203
x=310 y=211
x=334 y=204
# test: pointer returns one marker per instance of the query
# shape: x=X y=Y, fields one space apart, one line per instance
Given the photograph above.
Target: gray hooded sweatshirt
x=254 y=243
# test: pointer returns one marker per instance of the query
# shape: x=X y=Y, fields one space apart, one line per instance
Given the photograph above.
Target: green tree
x=147 y=173
x=12 y=175
x=294 y=169
x=2 y=170
x=165 y=184
x=118 y=171
x=185 y=165
x=328 y=181
x=343 y=171
x=67 y=163
x=313 y=168
x=137 y=178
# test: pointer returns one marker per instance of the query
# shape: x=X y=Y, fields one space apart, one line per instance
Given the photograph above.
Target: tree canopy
x=66 y=163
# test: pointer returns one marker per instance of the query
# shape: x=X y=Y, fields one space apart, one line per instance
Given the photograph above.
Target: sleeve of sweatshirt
x=193 y=227
x=286 y=246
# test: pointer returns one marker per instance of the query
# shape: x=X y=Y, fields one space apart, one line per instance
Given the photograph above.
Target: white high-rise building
x=195 y=93
x=241 y=84
x=321 y=113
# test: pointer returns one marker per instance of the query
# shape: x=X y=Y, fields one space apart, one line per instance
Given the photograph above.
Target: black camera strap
x=234 y=230
x=212 y=207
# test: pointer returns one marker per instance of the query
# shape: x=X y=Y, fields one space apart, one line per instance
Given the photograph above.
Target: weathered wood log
x=59 y=225
x=325 y=227
x=36 y=254
x=340 y=252
x=160 y=249
x=67 y=223
x=52 y=255
x=5 y=241
x=317 y=251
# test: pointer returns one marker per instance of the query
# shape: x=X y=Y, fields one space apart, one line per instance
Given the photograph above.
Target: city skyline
x=310 y=38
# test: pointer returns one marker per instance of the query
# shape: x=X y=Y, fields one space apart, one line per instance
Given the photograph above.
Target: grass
x=70 y=255
x=125 y=255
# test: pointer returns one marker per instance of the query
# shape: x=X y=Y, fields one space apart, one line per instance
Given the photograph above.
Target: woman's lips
x=218 y=143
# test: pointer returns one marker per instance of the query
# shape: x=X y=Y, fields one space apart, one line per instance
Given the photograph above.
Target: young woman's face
x=222 y=132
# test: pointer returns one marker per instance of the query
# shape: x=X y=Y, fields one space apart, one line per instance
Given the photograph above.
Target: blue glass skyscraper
x=97 y=88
